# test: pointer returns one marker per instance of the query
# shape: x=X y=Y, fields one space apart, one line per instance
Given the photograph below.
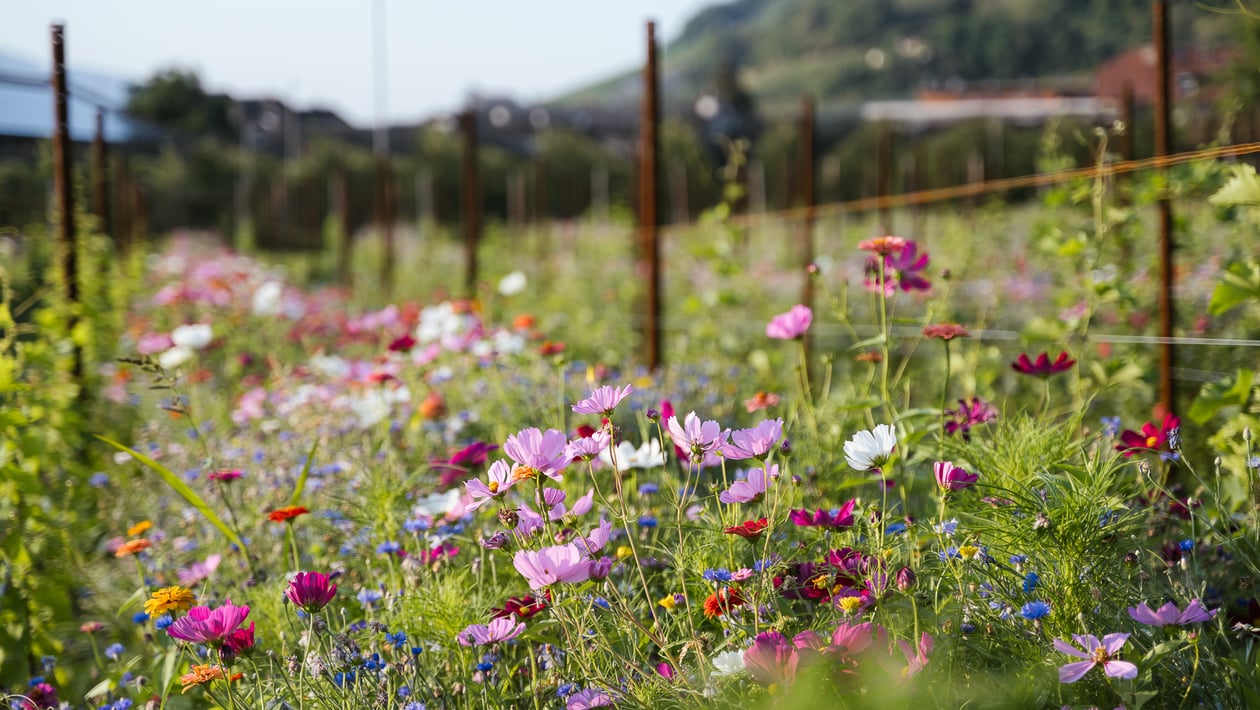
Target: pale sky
x=319 y=52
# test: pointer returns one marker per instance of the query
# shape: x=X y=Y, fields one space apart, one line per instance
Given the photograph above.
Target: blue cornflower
x=647 y=521
x=483 y=667
x=368 y=597
x=1186 y=545
x=404 y=691
x=1108 y=518
x=967 y=627
x=602 y=603
x=414 y=705
x=415 y=526
x=1030 y=582
x=763 y=565
x=1253 y=462
x=388 y=547
x=98 y=480
x=648 y=489
x=113 y=651
x=397 y=640
x=895 y=528
x=344 y=679
x=1018 y=560
x=1034 y=610
x=949 y=553
x=566 y=690
x=139 y=617
x=947 y=528
x=717 y=575
x=1111 y=426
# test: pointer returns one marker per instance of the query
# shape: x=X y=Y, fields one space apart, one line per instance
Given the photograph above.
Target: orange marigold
x=205 y=673
x=169 y=599
x=287 y=513
x=131 y=547
x=140 y=527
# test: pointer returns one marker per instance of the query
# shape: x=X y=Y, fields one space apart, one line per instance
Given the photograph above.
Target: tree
x=174 y=99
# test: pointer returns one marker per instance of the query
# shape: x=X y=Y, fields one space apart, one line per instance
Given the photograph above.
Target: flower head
x=760 y=401
x=842 y=518
x=131 y=547
x=906 y=267
x=169 y=599
x=500 y=629
x=749 y=529
x=559 y=563
x=1151 y=439
x=790 y=325
x=500 y=480
x=603 y=400
x=287 y=513
x=310 y=591
x=1170 y=615
x=945 y=331
x=756 y=443
x=1042 y=367
x=208 y=626
x=537 y=452
x=869 y=450
x=952 y=478
x=202 y=674
x=696 y=437
x=224 y=475
x=971 y=412
x=750 y=490
x=1095 y=652
x=772 y=659
x=883 y=246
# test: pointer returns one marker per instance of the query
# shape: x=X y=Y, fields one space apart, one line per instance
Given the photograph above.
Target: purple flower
x=500 y=475
x=1095 y=652
x=699 y=438
x=559 y=563
x=603 y=400
x=589 y=698
x=772 y=659
x=951 y=478
x=208 y=626
x=790 y=325
x=970 y=412
x=755 y=443
x=587 y=447
x=907 y=267
x=500 y=629
x=750 y=490
x=311 y=591
x=842 y=518
x=536 y=452
x=1170 y=615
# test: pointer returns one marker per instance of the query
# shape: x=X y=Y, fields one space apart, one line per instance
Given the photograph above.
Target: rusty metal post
x=100 y=198
x=471 y=200
x=1163 y=141
x=649 y=219
x=63 y=187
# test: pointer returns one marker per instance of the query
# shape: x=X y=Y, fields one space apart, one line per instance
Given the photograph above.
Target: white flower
x=647 y=456
x=728 y=663
x=513 y=283
x=194 y=337
x=330 y=366
x=870 y=449
x=174 y=357
x=437 y=504
x=267 y=298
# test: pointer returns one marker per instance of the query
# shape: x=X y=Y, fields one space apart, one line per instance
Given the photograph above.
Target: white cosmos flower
x=174 y=357
x=647 y=456
x=870 y=449
x=267 y=298
x=513 y=283
x=194 y=337
x=728 y=663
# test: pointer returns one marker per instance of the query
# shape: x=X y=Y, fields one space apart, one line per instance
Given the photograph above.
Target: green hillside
x=852 y=50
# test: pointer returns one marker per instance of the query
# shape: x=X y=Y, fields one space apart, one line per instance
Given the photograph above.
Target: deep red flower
x=522 y=607
x=1152 y=438
x=403 y=344
x=722 y=602
x=749 y=529
x=1042 y=367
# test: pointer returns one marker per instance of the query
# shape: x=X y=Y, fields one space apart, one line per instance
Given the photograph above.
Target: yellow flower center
x=494 y=486
x=520 y=473
x=850 y=604
x=968 y=552
x=1151 y=441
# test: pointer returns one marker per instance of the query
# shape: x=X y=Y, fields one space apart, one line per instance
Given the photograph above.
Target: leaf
x=306 y=471
x=1215 y=396
x=99 y=689
x=1241 y=189
x=1239 y=284
x=183 y=490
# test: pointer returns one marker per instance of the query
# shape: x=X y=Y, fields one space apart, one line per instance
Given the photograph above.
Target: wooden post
x=63 y=188
x=122 y=205
x=649 y=244
x=471 y=201
x=1163 y=141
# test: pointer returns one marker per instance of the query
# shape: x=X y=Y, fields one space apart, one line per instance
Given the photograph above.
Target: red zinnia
x=945 y=331
x=287 y=513
x=749 y=529
x=722 y=601
x=1042 y=367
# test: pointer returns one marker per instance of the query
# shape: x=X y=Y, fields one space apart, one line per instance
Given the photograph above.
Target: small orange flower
x=869 y=356
x=287 y=513
x=722 y=601
x=883 y=245
x=945 y=331
x=433 y=407
x=141 y=527
x=169 y=599
x=131 y=547
x=205 y=673
x=524 y=321
x=761 y=400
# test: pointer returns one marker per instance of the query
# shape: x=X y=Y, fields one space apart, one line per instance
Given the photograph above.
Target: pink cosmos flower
x=698 y=438
x=603 y=400
x=209 y=626
x=1170 y=615
x=554 y=500
x=500 y=477
x=756 y=443
x=790 y=325
x=311 y=591
x=917 y=657
x=1095 y=652
x=772 y=659
x=559 y=563
x=752 y=489
x=952 y=478
x=820 y=518
x=971 y=412
x=501 y=629
x=588 y=447
x=588 y=698
x=1042 y=367
x=198 y=571
x=537 y=452
x=853 y=638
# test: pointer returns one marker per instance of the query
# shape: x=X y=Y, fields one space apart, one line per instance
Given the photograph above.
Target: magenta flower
x=1170 y=615
x=971 y=412
x=559 y=563
x=587 y=447
x=698 y=438
x=603 y=400
x=501 y=629
x=311 y=591
x=820 y=518
x=588 y=698
x=209 y=626
x=853 y=638
x=750 y=490
x=916 y=657
x=500 y=476
x=1042 y=367
x=951 y=478
x=536 y=452
x=907 y=267
x=772 y=659
x=236 y=643
x=790 y=325
x=755 y=443
x=1095 y=652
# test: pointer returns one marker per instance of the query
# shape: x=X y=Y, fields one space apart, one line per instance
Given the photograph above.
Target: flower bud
x=906 y=579
x=509 y=517
x=653 y=415
x=785 y=448
x=797 y=480
x=1247 y=434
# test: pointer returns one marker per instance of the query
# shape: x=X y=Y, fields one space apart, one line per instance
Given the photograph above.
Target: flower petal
x=1120 y=669
x=1073 y=672
x=1064 y=647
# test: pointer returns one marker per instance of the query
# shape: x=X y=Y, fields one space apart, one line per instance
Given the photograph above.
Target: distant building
x=1195 y=74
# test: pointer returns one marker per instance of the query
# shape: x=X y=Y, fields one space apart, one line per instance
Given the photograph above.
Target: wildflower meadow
x=943 y=483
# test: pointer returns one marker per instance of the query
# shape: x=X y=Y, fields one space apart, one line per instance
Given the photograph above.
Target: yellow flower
x=968 y=552
x=848 y=605
x=668 y=601
x=169 y=599
x=624 y=551
x=138 y=528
